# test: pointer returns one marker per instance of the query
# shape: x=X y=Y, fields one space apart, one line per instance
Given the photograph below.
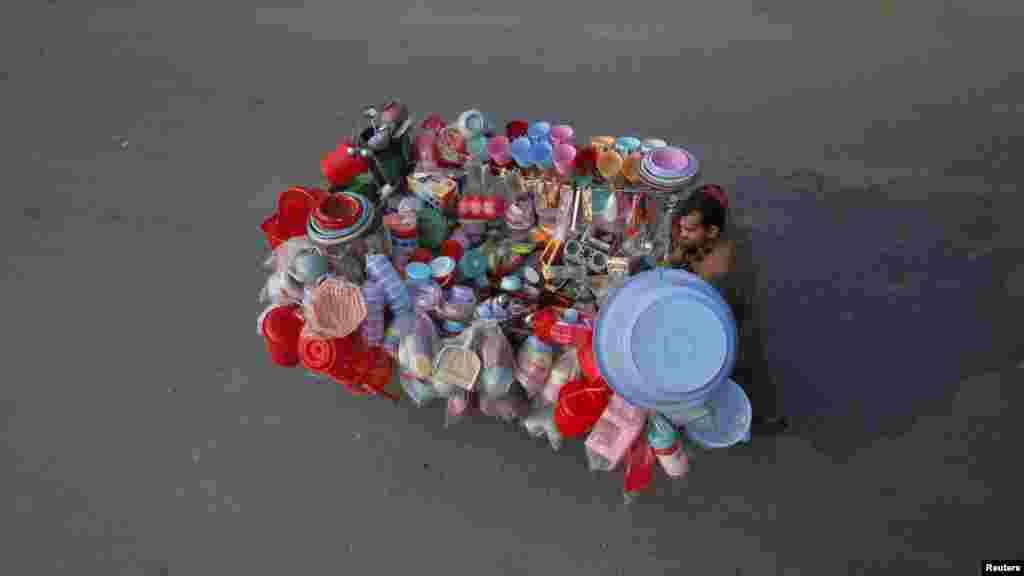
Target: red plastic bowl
x=293 y=208
x=337 y=212
x=580 y=405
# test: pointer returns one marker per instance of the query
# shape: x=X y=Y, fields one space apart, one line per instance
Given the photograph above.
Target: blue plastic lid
x=511 y=283
x=417 y=271
x=666 y=339
x=442 y=266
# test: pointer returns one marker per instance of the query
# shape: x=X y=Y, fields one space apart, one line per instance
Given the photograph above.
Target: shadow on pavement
x=860 y=310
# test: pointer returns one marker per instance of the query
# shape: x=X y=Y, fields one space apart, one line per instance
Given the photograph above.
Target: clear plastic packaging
x=281 y=288
x=639 y=464
x=508 y=408
x=540 y=423
x=566 y=368
x=416 y=355
x=373 y=327
x=283 y=255
x=533 y=364
x=402 y=324
x=666 y=443
x=457 y=365
x=615 y=432
x=498 y=360
x=379 y=268
x=457 y=408
x=458 y=304
x=420 y=392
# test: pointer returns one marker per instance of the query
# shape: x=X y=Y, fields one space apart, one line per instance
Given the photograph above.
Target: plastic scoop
x=458 y=365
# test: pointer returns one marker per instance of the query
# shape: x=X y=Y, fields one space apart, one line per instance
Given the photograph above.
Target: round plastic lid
x=317 y=354
x=678 y=336
x=417 y=271
x=664 y=338
x=473 y=264
x=670 y=158
x=471 y=122
x=442 y=266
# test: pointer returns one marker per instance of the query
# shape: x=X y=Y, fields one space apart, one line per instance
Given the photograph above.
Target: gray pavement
x=869 y=146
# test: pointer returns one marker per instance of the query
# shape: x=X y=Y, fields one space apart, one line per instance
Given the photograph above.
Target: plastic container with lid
x=665 y=341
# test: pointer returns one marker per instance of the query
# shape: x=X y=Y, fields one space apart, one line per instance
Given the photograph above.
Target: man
x=701 y=247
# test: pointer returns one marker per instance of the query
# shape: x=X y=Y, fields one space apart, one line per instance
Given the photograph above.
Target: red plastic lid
x=451 y=249
x=282 y=325
x=337 y=212
x=580 y=405
x=293 y=208
x=318 y=354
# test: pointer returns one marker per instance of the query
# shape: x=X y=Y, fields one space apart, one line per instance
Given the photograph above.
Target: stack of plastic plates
x=666 y=341
x=668 y=168
x=341 y=218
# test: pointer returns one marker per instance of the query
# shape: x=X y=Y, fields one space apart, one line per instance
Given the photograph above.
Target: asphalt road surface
x=869 y=147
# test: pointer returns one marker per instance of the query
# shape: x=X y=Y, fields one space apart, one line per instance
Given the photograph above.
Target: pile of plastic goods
x=515 y=274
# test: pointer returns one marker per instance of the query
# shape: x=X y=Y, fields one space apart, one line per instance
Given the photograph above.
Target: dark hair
x=708 y=201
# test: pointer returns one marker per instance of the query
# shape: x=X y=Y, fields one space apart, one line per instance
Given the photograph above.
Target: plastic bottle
x=534 y=364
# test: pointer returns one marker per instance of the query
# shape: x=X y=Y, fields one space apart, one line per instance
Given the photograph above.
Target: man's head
x=701 y=217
